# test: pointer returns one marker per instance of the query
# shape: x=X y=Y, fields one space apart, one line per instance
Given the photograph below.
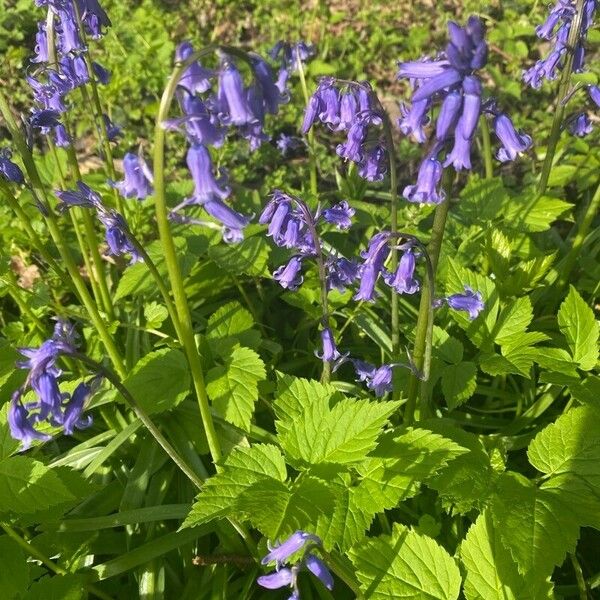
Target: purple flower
x=594 y=93
x=277 y=579
x=289 y=276
x=8 y=169
x=381 y=381
x=352 y=148
x=21 y=423
x=83 y=196
x=94 y=17
x=403 y=280
x=61 y=137
x=137 y=181
x=102 y=74
x=460 y=156
x=233 y=222
x=426 y=189
x=117 y=235
x=287 y=143
x=318 y=568
x=341 y=273
x=195 y=78
x=112 y=131
x=374 y=259
x=232 y=100
x=271 y=95
x=41 y=44
x=469 y=301
x=330 y=352
x=292 y=55
x=513 y=142
x=44 y=119
x=281 y=552
x=580 y=125
x=374 y=163
x=348 y=110
x=206 y=186
x=68 y=32
x=449 y=113
x=200 y=126
x=339 y=215
x=72 y=418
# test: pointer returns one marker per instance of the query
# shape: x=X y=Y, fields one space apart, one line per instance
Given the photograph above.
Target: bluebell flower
x=330 y=353
x=94 y=17
x=195 y=78
x=341 y=273
x=44 y=119
x=319 y=569
x=287 y=143
x=271 y=95
x=206 y=185
x=137 y=181
x=232 y=99
x=102 y=74
x=69 y=39
x=374 y=163
x=8 y=169
x=74 y=407
x=339 y=215
x=290 y=276
x=379 y=380
x=74 y=70
x=112 y=131
x=41 y=44
x=594 y=94
x=278 y=579
x=426 y=190
x=233 y=222
x=469 y=301
x=403 y=280
x=513 y=142
x=579 y=125
x=292 y=54
x=21 y=423
x=374 y=259
x=279 y=553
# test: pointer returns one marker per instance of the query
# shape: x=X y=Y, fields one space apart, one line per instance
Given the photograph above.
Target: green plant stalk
x=563 y=90
x=175 y=277
x=581 y=585
x=422 y=349
x=310 y=135
x=487 y=148
x=55 y=232
x=48 y=562
x=99 y=272
x=582 y=231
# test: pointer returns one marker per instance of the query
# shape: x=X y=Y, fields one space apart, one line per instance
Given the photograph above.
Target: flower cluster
x=450 y=81
x=206 y=119
x=556 y=29
x=59 y=75
x=287 y=576
x=117 y=234
x=51 y=406
x=355 y=110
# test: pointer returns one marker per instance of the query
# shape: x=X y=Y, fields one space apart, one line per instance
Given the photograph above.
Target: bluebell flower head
x=206 y=185
x=8 y=169
x=102 y=74
x=319 y=569
x=82 y=196
x=67 y=29
x=41 y=44
x=580 y=125
x=137 y=181
x=594 y=93
x=44 y=119
x=94 y=17
x=513 y=142
x=381 y=381
x=374 y=259
x=232 y=99
x=279 y=553
x=271 y=94
x=21 y=423
x=74 y=407
x=289 y=276
x=277 y=579
x=291 y=55
x=374 y=163
x=339 y=215
x=233 y=222
x=403 y=280
x=330 y=353
x=117 y=236
x=469 y=301
x=196 y=78
x=341 y=273
x=112 y=131
x=426 y=190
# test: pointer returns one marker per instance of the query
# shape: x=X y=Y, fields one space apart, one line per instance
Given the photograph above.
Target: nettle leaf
x=14 y=574
x=534 y=524
x=28 y=486
x=513 y=320
x=343 y=434
x=524 y=214
x=160 y=380
x=490 y=571
x=243 y=468
x=233 y=388
x=230 y=325
x=459 y=383
x=481 y=330
x=58 y=587
x=405 y=565
x=578 y=325
x=278 y=509
x=446 y=347
x=294 y=396
x=469 y=479
x=250 y=256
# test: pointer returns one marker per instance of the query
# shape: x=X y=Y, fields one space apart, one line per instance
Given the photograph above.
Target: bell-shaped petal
x=513 y=142
x=232 y=98
x=449 y=114
x=289 y=277
x=276 y=580
x=195 y=79
x=206 y=186
x=426 y=190
x=339 y=215
x=449 y=79
x=469 y=301
x=137 y=181
x=280 y=552
x=319 y=569
x=403 y=280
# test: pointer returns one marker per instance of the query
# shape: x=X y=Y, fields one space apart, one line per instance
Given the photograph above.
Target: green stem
x=424 y=330
x=563 y=90
x=582 y=231
x=311 y=135
x=581 y=585
x=487 y=149
x=45 y=560
x=175 y=277
x=58 y=239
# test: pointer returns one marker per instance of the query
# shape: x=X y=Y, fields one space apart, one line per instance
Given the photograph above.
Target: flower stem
x=487 y=148
x=58 y=239
x=311 y=135
x=175 y=277
x=424 y=330
x=563 y=90
x=45 y=560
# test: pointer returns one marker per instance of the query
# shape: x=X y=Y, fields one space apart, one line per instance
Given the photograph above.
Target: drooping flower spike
x=451 y=82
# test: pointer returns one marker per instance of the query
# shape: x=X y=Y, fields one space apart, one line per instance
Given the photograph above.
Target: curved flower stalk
x=286 y=571
x=450 y=81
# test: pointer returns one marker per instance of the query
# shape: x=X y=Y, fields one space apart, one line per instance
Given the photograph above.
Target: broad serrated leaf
x=58 y=587
x=160 y=380
x=405 y=565
x=294 y=396
x=524 y=215
x=446 y=347
x=491 y=572
x=243 y=468
x=341 y=435
x=14 y=574
x=458 y=383
x=249 y=256
x=513 y=319
x=233 y=388
x=534 y=524
x=578 y=325
x=278 y=509
x=231 y=324
x=570 y=446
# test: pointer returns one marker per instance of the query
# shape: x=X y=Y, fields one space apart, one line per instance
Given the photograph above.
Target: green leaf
x=459 y=383
x=14 y=574
x=230 y=325
x=513 y=320
x=8 y=445
x=538 y=215
x=405 y=565
x=491 y=572
x=155 y=314
x=578 y=325
x=446 y=347
x=534 y=524
x=243 y=468
x=59 y=587
x=233 y=388
x=160 y=380
x=249 y=257
x=28 y=486
x=342 y=435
